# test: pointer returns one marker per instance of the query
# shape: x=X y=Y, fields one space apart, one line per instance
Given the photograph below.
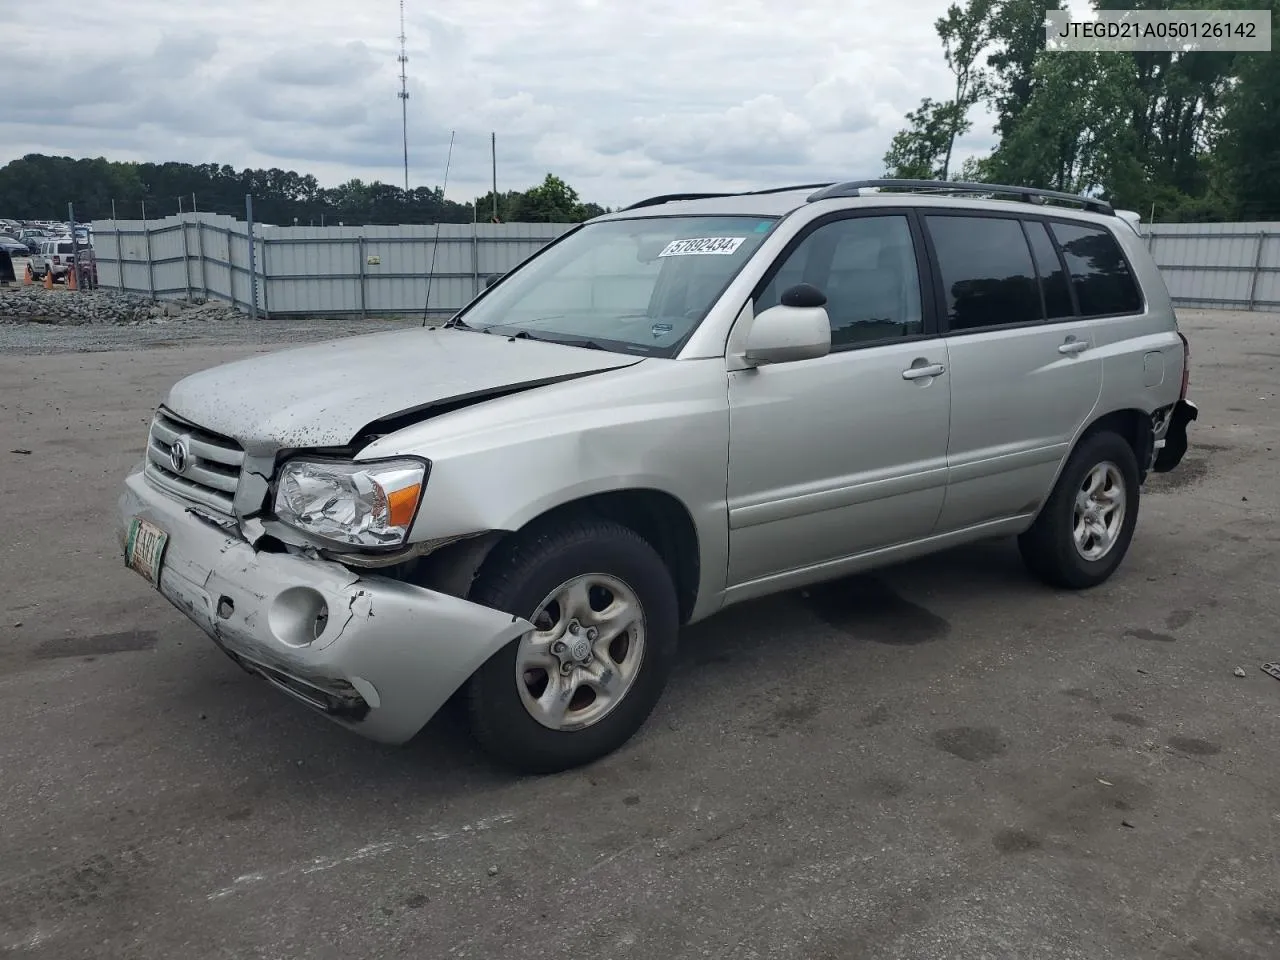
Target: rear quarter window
x=1100 y=275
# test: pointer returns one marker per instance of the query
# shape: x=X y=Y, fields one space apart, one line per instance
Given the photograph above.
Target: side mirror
x=491 y=280
x=796 y=329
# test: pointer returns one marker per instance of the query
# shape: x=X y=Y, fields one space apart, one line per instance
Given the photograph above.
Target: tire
x=519 y=577
x=1049 y=548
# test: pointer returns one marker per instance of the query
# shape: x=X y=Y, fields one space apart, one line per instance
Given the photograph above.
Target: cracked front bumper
x=376 y=655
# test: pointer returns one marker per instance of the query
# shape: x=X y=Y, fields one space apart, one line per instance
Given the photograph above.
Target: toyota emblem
x=178 y=454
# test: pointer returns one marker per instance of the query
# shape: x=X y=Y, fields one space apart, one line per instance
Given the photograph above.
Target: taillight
x=1186 y=366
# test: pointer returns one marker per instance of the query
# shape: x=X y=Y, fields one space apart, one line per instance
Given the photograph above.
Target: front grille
x=207 y=471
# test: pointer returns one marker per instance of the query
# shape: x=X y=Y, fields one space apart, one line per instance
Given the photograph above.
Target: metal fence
x=1228 y=266
x=312 y=271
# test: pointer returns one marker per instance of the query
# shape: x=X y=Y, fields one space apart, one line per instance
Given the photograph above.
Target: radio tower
x=404 y=99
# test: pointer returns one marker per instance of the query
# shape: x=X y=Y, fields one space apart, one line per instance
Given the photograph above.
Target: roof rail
x=852 y=188
x=798 y=186
x=672 y=197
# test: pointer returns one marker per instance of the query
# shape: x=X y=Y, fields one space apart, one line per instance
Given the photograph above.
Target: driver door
x=846 y=454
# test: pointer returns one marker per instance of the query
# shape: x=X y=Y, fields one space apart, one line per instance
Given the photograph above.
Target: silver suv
x=693 y=402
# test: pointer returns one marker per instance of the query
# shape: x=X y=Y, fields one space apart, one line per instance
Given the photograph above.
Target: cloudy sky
x=622 y=98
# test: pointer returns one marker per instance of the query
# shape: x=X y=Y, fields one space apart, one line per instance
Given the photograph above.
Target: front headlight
x=360 y=504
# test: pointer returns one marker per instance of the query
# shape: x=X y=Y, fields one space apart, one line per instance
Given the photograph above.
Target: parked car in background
x=690 y=403
x=33 y=237
x=13 y=246
x=88 y=267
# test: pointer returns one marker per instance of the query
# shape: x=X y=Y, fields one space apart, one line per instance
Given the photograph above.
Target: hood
x=324 y=395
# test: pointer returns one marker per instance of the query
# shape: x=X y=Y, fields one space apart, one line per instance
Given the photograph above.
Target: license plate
x=144 y=550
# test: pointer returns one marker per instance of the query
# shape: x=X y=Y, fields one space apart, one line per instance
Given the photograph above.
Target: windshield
x=635 y=286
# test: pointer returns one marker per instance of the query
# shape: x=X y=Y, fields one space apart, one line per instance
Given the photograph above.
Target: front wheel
x=606 y=621
x=1087 y=524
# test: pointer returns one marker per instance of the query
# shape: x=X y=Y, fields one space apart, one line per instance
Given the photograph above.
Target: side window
x=1057 y=297
x=867 y=268
x=1099 y=272
x=987 y=274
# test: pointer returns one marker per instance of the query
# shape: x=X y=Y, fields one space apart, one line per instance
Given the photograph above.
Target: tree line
x=39 y=187
x=1193 y=136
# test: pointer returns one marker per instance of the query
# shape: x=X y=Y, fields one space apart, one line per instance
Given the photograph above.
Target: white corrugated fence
x=314 y=271
x=1230 y=266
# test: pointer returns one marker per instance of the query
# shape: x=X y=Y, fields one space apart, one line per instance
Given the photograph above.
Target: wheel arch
x=1132 y=424
x=661 y=519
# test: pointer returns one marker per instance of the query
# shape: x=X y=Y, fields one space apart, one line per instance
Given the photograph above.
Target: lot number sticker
x=702 y=246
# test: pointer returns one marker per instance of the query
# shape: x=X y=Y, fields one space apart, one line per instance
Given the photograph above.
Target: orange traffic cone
x=27 y=278
x=71 y=279
x=48 y=279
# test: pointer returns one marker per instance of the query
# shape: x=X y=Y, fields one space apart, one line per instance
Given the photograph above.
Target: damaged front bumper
x=377 y=655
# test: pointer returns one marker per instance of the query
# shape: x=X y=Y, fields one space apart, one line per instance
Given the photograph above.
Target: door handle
x=919 y=373
x=1073 y=346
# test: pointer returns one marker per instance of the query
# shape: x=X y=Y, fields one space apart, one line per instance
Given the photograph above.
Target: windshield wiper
x=564 y=341
x=585 y=344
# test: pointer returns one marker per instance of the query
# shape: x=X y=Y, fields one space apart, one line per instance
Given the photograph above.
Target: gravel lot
x=946 y=761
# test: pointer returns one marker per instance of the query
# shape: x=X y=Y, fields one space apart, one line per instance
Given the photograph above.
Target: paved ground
x=947 y=762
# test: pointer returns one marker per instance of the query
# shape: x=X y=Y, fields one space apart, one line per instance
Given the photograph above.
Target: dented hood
x=323 y=395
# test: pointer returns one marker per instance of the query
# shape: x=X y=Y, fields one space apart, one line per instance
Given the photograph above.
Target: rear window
x=1099 y=272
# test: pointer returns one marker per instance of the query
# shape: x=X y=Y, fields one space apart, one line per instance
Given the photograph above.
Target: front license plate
x=144 y=550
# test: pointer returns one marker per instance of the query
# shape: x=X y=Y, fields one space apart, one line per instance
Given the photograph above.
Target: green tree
x=552 y=201
x=966 y=35
x=1066 y=137
x=1017 y=38
x=1249 y=152
x=923 y=149
x=918 y=152
x=38 y=186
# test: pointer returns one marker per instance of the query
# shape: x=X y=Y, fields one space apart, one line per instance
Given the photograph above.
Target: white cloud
x=619 y=99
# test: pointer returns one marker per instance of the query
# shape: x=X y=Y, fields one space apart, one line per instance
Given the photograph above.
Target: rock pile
x=75 y=308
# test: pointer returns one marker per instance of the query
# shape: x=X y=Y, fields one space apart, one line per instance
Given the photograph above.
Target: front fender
x=658 y=425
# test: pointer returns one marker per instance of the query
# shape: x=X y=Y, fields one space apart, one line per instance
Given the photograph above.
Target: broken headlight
x=355 y=504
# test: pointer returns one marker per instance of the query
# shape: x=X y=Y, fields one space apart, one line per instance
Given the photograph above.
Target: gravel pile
x=22 y=305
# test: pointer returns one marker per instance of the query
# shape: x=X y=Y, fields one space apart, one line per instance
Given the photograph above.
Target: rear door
x=1025 y=376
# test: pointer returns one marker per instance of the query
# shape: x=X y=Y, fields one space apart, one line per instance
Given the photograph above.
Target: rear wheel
x=606 y=621
x=1085 y=527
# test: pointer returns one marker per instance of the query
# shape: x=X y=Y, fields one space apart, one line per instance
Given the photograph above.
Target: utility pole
x=404 y=99
x=493 y=150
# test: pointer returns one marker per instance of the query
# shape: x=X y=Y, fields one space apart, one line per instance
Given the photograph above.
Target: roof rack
x=798 y=186
x=673 y=197
x=853 y=188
